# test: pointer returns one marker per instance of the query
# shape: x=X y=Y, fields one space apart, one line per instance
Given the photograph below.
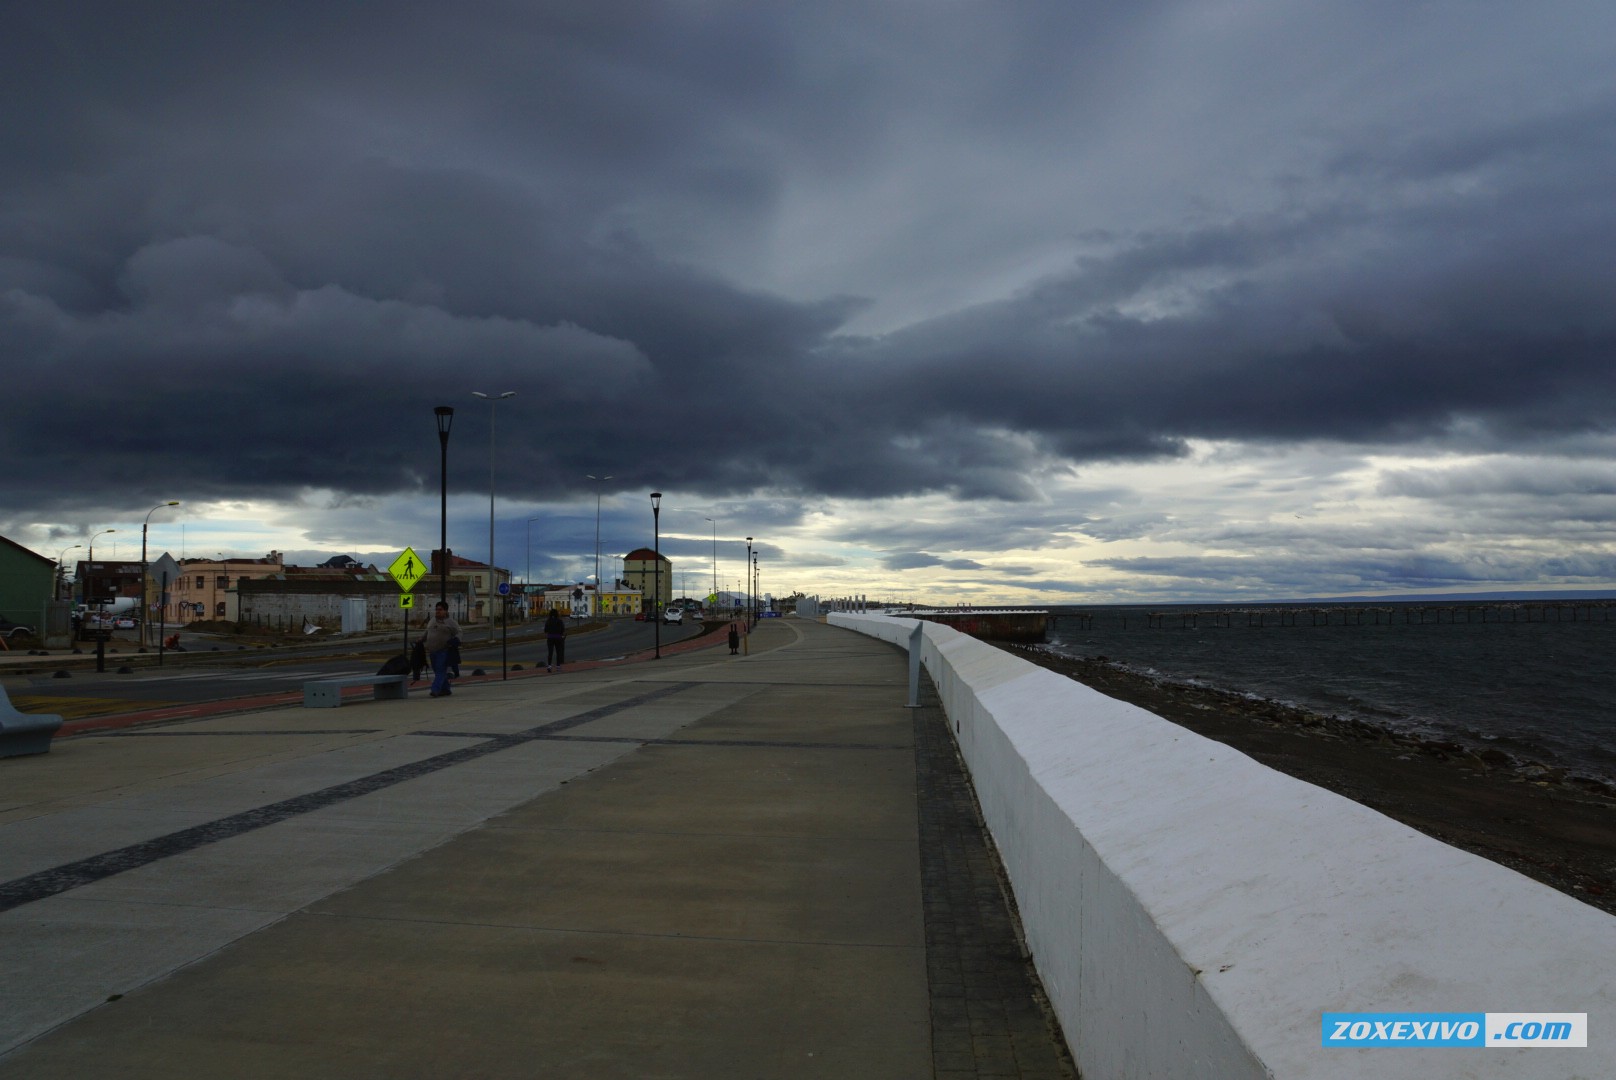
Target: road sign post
x=406 y=570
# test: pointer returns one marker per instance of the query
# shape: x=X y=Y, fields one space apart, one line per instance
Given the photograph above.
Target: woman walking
x=555 y=641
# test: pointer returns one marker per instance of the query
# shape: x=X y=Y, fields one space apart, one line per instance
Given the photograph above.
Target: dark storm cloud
x=250 y=249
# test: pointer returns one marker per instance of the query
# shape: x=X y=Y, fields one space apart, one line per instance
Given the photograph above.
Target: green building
x=27 y=580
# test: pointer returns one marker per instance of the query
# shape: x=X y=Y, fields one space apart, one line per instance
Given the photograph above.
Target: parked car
x=673 y=615
x=124 y=622
x=10 y=629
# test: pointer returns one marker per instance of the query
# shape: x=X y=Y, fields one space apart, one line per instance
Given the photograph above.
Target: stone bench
x=327 y=693
x=24 y=733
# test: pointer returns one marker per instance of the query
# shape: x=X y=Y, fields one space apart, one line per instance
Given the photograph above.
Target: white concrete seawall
x=1192 y=913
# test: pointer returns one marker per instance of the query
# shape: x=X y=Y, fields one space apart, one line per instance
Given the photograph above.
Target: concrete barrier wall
x=1192 y=913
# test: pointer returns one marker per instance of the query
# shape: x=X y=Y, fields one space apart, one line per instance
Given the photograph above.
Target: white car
x=673 y=615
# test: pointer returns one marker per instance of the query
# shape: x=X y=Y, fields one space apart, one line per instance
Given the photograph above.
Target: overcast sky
x=1063 y=302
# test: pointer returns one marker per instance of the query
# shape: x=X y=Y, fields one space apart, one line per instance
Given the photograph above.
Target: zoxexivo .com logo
x=1514 y=1030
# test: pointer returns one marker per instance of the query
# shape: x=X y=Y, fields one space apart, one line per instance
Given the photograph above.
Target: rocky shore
x=1537 y=820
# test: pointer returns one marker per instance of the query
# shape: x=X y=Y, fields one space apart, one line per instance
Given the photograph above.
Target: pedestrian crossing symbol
x=407 y=570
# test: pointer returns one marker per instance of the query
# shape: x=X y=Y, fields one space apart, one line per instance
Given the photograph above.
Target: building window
x=219 y=610
x=224 y=582
x=199 y=580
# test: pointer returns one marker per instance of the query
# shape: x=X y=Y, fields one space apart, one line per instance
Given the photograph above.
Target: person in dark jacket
x=734 y=639
x=555 y=641
x=441 y=629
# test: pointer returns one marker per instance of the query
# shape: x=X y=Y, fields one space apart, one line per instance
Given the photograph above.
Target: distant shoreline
x=1556 y=829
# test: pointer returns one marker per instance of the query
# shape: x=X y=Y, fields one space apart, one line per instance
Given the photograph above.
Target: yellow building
x=640 y=574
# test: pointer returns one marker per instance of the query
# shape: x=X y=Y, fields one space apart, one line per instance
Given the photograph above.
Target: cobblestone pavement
x=989 y=1016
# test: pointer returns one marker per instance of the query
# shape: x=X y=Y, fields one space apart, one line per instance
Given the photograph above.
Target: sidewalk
x=703 y=866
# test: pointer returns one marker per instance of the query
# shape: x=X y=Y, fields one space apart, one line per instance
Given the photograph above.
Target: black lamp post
x=656 y=547
x=445 y=415
x=749 y=581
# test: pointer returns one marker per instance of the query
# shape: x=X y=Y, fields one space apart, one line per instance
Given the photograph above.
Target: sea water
x=1540 y=691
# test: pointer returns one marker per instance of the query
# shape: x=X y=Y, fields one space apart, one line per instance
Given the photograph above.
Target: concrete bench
x=327 y=693
x=24 y=733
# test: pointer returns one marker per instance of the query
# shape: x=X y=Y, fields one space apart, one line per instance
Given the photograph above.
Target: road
x=256 y=673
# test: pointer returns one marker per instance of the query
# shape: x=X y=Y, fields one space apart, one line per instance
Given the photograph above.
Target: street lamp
x=103 y=532
x=714 y=522
x=598 y=480
x=145 y=613
x=528 y=580
x=748 y=581
x=656 y=547
x=492 y=410
x=61 y=569
x=445 y=415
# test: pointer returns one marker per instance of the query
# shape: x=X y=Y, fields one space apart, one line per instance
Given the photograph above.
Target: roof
x=645 y=555
x=28 y=551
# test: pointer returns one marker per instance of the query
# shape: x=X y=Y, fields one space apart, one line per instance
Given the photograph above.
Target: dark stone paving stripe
x=221 y=734
x=646 y=741
x=59 y=879
x=989 y=1016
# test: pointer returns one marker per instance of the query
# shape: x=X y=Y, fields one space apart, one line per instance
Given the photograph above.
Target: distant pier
x=992 y=624
x=1511 y=611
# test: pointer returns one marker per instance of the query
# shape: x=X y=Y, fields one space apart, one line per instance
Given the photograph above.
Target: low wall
x=1192 y=913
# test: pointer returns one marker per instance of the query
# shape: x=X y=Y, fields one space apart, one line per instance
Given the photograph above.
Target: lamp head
x=656 y=500
x=445 y=415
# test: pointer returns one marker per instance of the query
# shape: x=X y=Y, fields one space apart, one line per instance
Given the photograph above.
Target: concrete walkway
x=703 y=866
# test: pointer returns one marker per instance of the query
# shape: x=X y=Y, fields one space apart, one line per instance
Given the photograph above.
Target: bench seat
x=25 y=733
x=327 y=693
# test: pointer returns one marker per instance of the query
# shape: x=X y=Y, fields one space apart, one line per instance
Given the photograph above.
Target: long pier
x=1361 y=614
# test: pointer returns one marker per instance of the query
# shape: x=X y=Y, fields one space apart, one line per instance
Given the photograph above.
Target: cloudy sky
x=1057 y=302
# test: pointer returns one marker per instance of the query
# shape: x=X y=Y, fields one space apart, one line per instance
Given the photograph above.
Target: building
x=206 y=589
x=479 y=578
x=27 y=583
x=106 y=580
x=291 y=601
x=640 y=574
x=582 y=600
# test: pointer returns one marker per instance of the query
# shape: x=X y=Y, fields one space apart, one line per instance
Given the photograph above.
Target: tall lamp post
x=61 y=569
x=528 y=580
x=598 y=480
x=145 y=613
x=714 y=522
x=748 y=581
x=493 y=402
x=445 y=415
x=656 y=547
x=103 y=532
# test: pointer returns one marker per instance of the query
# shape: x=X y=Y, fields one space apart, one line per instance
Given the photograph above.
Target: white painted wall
x=1192 y=912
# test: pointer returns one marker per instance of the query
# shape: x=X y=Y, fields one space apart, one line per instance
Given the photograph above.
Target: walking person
x=441 y=629
x=555 y=641
x=734 y=638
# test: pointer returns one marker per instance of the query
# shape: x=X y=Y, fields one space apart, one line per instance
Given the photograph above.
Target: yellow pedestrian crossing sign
x=406 y=600
x=407 y=570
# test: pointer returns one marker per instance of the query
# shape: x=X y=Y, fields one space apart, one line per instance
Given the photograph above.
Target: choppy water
x=1543 y=691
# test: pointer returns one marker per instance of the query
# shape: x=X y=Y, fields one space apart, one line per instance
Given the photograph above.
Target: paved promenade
x=701 y=866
